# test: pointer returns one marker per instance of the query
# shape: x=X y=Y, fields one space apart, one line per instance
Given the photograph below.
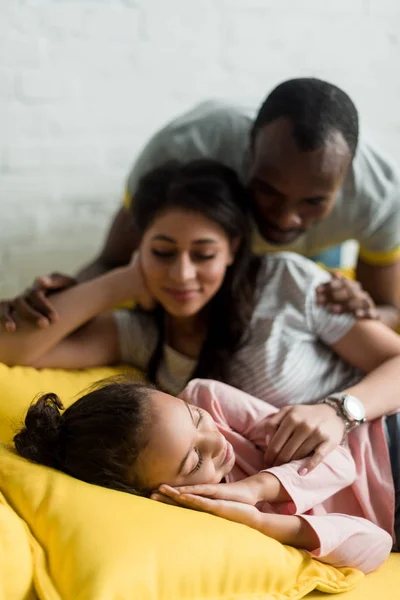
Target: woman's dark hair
x=97 y=439
x=214 y=191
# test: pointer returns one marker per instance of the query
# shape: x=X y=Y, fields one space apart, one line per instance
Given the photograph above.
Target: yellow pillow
x=383 y=583
x=16 y=566
x=20 y=385
x=93 y=543
x=104 y=545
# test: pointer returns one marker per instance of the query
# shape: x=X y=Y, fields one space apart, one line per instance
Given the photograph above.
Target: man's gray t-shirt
x=367 y=208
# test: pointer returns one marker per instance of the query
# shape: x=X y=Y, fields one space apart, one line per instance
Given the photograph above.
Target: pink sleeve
x=335 y=473
x=229 y=406
x=346 y=541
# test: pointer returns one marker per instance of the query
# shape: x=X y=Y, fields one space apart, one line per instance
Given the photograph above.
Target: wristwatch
x=347 y=407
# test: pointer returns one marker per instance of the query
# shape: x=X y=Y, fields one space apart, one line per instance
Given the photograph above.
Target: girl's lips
x=228 y=454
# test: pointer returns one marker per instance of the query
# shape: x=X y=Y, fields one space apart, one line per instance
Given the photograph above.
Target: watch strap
x=336 y=402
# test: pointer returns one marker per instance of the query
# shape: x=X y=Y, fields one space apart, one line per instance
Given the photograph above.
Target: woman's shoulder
x=137 y=335
x=137 y=319
x=293 y=267
x=288 y=278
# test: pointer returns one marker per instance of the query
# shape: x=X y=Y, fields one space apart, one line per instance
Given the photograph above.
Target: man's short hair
x=315 y=109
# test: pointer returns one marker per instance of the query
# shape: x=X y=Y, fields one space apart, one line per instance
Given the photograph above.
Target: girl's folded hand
x=227 y=509
x=250 y=490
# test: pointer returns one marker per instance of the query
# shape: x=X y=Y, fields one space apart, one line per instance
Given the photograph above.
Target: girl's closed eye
x=200 y=458
x=198 y=464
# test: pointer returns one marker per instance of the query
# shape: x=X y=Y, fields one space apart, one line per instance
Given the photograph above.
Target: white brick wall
x=83 y=83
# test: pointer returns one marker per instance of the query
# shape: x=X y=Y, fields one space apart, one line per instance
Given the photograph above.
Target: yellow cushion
x=89 y=542
x=16 y=566
x=20 y=385
x=105 y=545
x=383 y=584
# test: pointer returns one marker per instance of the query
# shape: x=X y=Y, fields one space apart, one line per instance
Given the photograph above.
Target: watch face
x=354 y=408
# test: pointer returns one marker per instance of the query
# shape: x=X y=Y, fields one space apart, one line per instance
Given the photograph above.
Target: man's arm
x=383 y=285
x=35 y=306
x=374 y=294
x=121 y=242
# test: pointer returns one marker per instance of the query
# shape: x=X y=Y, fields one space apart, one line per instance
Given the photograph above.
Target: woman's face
x=185 y=446
x=184 y=257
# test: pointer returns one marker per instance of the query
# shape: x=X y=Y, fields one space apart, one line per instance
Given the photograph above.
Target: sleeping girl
x=205 y=451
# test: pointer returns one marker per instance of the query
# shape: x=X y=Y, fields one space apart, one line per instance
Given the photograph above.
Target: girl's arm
x=305 y=491
x=338 y=540
x=335 y=539
x=234 y=411
x=283 y=486
x=55 y=346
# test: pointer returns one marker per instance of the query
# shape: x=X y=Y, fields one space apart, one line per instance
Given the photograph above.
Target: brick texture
x=83 y=83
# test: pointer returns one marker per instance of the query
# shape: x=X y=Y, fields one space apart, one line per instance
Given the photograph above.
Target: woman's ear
x=234 y=247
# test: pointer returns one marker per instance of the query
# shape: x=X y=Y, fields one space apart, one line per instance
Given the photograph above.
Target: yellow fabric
x=384 y=584
x=103 y=545
x=380 y=259
x=20 y=385
x=127 y=200
x=92 y=543
x=348 y=273
x=16 y=566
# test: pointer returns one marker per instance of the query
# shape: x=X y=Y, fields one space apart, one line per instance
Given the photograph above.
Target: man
x=313 y=185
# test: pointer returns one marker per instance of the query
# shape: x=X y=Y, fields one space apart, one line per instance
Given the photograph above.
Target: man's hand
x=33 y=305
x=227 y=509
x=342 y=295
x=298 y=431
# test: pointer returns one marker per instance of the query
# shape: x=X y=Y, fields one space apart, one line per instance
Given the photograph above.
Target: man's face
x=293 y=189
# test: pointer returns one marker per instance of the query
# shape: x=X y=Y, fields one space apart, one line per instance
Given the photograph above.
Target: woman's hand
x=298 y=431
x=141 y=292
x=227 y=509
x=343 y=295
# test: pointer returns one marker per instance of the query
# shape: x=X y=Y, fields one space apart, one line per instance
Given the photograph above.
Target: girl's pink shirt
x=348 y=499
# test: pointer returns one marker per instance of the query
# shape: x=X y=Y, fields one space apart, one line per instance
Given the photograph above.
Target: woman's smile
x=182 y=295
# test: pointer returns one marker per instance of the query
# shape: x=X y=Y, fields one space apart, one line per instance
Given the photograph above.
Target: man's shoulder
x=371 y=180
x=212 y=129
x=210 y=117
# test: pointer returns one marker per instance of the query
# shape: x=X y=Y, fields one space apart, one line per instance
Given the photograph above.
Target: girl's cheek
x=204 y=476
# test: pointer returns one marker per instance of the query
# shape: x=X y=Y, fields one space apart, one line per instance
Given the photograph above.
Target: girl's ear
x=234 y=247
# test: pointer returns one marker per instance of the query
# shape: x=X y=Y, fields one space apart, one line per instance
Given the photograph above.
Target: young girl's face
x=185 y=446
x=184 y=257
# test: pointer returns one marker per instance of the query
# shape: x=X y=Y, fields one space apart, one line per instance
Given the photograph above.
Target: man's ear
x=234 y=247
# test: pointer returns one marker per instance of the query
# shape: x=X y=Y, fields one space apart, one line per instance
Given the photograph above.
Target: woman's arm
x=375 y=349
x=95 y=344
x=75 y=307
x=369 y=346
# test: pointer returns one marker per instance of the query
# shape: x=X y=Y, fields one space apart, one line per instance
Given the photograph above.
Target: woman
x=129 y=437
x=220 y=313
